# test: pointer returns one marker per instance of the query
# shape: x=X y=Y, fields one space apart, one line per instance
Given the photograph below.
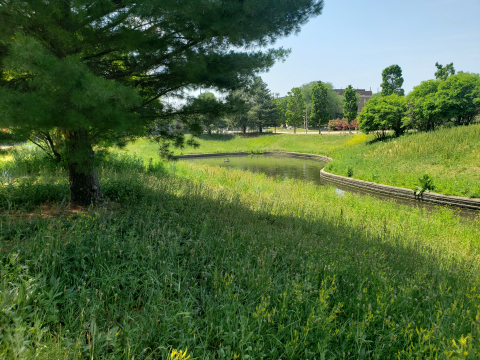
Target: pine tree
x=264 y=111
x=85 y=73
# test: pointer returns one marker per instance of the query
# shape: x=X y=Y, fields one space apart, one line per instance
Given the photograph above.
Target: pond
x=303 y=168
x=284 y=167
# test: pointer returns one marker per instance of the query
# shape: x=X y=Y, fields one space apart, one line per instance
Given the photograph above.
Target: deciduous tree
x=443 y=73
x=423 y=112
x=392 y=81
x=383 y=113
x=457 y=97
x=320 y=110
x=295 y=108
x=350 y=104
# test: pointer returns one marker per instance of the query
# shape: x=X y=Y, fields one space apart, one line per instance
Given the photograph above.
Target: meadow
x=450 y=157
x=198 y=262
x=321 y=145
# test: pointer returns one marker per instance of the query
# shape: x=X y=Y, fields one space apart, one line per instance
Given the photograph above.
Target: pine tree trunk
x=244 y=129
x=83 y=177
x=260 y=129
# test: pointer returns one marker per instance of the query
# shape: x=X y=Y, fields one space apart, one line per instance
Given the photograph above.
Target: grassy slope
x=451 y=157
x=218 y=262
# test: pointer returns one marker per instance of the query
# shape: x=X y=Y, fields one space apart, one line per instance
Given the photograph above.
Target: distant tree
x=350 y=104
x=392 y=81
x=423 y=112
x=458 y=96
x=335 y=102
x=238 y=118
x=208 y=119
x=281 y=110
x=320 y=113
x=295 y=108
x=443 y=73
x=263 y=111
x=383 y=113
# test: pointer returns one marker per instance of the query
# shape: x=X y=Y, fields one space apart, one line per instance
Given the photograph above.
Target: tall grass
x=451 y=157
x=211 y=264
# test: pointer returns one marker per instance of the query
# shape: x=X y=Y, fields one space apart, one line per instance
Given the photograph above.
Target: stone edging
x=457 y=201
x=193 y=156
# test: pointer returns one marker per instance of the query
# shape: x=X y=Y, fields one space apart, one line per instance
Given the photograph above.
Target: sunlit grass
x=322 y=145
x=451 y=157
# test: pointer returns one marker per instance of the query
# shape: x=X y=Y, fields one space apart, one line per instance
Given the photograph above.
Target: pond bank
x=398 y=192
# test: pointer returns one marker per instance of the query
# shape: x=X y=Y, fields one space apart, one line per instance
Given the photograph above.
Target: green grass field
x=200 y=262
x=451 y=157
x=322 y=145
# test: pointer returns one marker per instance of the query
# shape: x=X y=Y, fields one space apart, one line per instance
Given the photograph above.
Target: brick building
x=364 y=95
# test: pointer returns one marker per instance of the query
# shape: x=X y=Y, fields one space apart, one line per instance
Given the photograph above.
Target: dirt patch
x=47 y=210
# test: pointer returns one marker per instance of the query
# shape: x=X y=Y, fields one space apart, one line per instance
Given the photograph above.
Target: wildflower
x=178 y=355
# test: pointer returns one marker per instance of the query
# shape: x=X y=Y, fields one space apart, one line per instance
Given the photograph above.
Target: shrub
x=342 y=124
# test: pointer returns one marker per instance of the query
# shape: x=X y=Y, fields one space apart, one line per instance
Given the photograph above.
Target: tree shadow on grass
x=200 y=237
x=217 y=137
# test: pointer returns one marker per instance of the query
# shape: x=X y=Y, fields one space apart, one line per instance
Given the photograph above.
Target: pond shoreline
x=394 y=191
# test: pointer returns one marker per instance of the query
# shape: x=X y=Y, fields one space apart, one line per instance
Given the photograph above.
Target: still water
x=307 y=169
x=272 y=165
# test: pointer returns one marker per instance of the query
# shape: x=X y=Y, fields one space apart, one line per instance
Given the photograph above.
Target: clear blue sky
x=354 y=40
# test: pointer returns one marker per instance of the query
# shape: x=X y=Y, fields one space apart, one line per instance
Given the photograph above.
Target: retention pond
x=302 y=168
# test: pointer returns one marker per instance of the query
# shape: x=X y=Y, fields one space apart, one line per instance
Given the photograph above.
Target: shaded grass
x=217 y=262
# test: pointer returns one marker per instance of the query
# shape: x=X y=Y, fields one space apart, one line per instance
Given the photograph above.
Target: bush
x=342 y=124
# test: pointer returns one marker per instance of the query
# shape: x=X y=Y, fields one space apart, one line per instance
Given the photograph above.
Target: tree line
x=314 y=103
x=451 y=99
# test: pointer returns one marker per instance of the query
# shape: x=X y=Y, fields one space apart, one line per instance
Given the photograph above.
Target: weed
x=425 y=185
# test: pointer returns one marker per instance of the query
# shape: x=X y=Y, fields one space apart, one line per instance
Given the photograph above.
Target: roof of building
x=359 y=91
